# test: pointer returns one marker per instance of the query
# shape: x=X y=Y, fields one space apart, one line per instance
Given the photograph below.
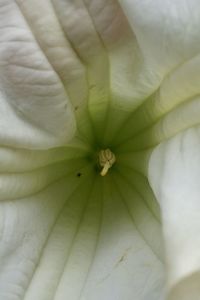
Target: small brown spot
x=78 y=174
x=122 y=258
x=76 y=108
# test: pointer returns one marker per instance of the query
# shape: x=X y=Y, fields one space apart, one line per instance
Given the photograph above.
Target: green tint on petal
x=78 y=77
x=84 y=237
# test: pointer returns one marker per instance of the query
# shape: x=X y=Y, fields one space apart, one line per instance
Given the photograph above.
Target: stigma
x=106 y=160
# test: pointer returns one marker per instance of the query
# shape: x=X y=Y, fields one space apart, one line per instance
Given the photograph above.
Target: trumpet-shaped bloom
x=99 y=150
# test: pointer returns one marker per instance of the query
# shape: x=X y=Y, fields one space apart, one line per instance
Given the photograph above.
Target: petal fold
x=174 y=174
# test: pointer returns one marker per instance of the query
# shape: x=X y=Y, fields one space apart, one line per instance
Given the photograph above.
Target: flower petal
x=167 y=32
x=82 y=237
x=35 y=110
x=174 y=174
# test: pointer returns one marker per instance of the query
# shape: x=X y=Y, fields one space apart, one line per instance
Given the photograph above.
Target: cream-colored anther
x=106 y=160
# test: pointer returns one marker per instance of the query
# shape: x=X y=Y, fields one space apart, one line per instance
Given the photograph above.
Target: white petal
x=79 y=236
x=167 y=32
x=35 y=110
x=52 y=39
x=166 y=35
x=174 y=174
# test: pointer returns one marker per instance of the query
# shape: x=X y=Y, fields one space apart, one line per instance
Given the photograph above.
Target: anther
x=106 y=160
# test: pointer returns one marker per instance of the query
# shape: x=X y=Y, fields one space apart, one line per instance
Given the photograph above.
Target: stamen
x=106 y=160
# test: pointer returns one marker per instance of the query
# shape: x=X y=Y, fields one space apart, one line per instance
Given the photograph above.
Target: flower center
x=106 y=160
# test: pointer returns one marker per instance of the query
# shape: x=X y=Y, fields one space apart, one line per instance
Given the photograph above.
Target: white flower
x=91 y=88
